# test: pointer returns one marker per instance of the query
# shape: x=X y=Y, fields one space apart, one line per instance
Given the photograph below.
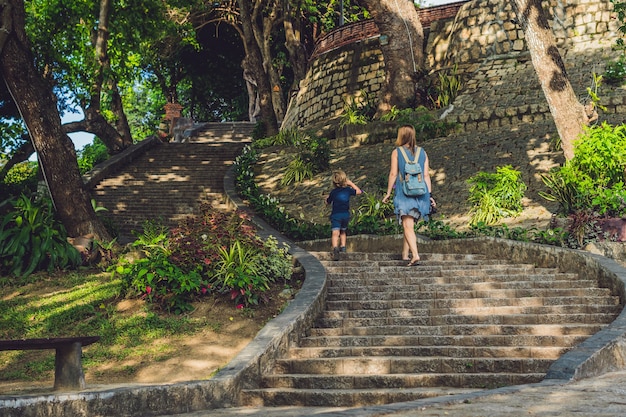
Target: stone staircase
x=456 y=323
x=170 y=180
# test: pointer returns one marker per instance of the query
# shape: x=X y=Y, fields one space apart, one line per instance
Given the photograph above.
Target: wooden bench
x=68 y=366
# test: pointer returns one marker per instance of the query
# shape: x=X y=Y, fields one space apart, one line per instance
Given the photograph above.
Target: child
x=339 y=197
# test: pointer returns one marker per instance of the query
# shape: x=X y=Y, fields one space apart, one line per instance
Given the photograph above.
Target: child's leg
x=334 y=238
x=343 y=238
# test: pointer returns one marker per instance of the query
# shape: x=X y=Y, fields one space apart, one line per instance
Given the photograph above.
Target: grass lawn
x=138 y=343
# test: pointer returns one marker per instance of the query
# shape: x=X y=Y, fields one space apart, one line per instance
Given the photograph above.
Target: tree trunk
x=55 y=150
x=121 y=122
x=264 y=36
x=255 y=62
x=402 y=44
x=297 y=53
x=569 y=114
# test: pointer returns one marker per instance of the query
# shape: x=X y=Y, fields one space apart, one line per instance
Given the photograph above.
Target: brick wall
x=358 y=31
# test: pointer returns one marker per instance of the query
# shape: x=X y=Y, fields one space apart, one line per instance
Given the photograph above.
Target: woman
x=408 y=209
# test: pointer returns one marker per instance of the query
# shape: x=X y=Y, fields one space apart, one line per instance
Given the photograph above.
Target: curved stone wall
x=500 y=86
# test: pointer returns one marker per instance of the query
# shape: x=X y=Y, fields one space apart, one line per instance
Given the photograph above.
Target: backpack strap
x=406 y=158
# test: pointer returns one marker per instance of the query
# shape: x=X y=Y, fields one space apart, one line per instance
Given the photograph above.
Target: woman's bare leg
x=408 y=226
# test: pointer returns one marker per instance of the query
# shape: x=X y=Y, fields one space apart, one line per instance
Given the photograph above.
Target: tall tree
x=569 y=114
x=37 y=106
x=255 y=65
x=402 y=45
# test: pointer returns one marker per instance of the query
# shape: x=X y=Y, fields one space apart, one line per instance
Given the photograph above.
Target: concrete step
x=342 y=398
x=462 y=329
x=451 y=292
x=539 y=352
x=169 y=182
x=451 y=340
x=463 y=319
x=480 y=311
x=383 y=365
x=380 y=284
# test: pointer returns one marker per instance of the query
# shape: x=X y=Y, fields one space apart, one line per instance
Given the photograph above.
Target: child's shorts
x=339 y=221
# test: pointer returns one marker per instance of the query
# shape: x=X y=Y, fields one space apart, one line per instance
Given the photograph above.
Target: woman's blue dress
x=413 y=206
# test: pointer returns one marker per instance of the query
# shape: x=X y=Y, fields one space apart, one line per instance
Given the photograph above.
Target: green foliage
x=297 y=171
x=208 y=252
x=160 y=281
x=24 y=172
x=426 y=125
x=32 y=240
x=358 y=109
x=371 y=204
x=439 y=230
x=594 y=178
x=448 y=88
x=560 y=191
x=238 y=272
x=313 y=154
x=316 y=152
x=495 y=195
x=286 y=137
x=91 y=155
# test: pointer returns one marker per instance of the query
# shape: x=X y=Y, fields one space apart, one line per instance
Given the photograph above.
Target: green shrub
x=33 y=240
x=494 y=196
x=426 y=124
x=297 y=171
x=448 y=88
x=358 y=110
x=286 y=137
x=594 y=178
x=160 y=281
x=91 y=155
x=210 y=252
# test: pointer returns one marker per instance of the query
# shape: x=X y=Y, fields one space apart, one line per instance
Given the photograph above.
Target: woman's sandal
x=414 y=263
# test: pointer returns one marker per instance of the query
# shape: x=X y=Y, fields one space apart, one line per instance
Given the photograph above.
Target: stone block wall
x=483 y=40
x=340 y=75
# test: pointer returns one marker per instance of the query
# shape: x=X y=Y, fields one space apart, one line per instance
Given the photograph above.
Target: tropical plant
x=238 y=272
x=358 y=110
x=160 y=281
x=495 y=195
x=594 y=178
x=297 y=171
x=448 y=88
x=32 y=239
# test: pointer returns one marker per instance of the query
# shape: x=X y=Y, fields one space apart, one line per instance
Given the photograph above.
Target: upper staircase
x=453 y=324
x=169 y=181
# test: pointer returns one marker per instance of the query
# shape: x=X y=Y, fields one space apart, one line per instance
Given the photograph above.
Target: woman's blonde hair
x=339 y=178
x=406 y=136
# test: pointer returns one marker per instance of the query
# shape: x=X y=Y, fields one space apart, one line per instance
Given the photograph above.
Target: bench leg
x=68 y=368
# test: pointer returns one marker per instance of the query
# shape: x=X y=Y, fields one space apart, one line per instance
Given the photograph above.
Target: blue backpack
x=413 y=184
